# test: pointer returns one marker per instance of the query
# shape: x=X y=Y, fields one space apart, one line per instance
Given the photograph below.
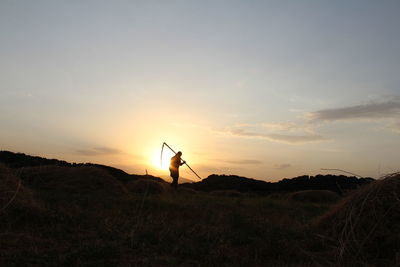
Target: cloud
x=276 y=126
x=395 y=127
x=201 y=169
x=282 y=166
x=99 y=151
x=286 y=126
x=371 y=111
x=305 y=131
x=282 y=138
x=243 y=162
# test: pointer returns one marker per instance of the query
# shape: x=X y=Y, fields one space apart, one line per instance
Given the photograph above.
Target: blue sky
x=266 y=89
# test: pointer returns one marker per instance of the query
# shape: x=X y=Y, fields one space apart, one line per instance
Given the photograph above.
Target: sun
x=164 y=164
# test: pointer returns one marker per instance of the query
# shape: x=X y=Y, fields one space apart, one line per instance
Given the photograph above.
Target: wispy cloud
x=243 y=161
x=304 y=131
x=282 y=166
x=277 y=137
x=286 y=126
x=99 y=151
x=282 y=132
x=395 y=127
x=371 y=111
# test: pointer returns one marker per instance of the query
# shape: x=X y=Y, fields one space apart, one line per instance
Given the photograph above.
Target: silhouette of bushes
x=88 y=216
x=335 y=183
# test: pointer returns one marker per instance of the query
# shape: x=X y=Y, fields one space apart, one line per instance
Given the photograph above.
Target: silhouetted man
x=176 y=162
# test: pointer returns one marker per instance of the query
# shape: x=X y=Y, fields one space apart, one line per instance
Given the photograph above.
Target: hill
x=335 y=183
x=21 y=160
x=86 y=215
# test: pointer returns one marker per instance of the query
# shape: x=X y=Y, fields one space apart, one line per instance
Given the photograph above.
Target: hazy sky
x=264 y=89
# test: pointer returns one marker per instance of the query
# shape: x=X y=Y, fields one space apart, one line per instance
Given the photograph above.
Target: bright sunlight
x=166 y=156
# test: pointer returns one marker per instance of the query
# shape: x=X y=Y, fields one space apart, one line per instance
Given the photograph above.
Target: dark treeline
x=335 y=183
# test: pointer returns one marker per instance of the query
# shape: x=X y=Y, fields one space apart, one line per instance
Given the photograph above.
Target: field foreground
x=84 y=216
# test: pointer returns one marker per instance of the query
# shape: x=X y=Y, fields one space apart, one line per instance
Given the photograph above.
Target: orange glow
x=155 y=159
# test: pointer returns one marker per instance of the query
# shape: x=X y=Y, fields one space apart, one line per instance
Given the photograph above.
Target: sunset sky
x=263 y=89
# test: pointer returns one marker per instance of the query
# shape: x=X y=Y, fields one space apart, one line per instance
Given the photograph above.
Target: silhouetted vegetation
x=365 y=226
x=86 y=215
x=20 y=160
x=336 y=183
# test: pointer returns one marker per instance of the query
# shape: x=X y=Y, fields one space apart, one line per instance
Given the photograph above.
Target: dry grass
x=91 y=219
x=227 y=193
x=13 y=194
x=365 y=226
x=315 y=196
x=84 y=186
x=147 y=186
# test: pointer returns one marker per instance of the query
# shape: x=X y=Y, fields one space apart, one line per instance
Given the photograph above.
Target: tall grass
x=365 y=226
x=89 y=218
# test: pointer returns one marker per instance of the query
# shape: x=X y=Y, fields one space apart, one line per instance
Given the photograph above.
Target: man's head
x=179 y=153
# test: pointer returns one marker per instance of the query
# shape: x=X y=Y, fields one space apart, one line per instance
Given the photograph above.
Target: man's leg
x=175 y=182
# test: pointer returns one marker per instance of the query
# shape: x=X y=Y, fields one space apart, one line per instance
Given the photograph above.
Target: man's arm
x=183 y=162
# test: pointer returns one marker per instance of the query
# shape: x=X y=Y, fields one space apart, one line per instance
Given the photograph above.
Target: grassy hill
x=88 y=215
x=335 y=183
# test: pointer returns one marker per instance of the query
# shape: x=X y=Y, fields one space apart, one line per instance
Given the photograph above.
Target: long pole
x=162 y=148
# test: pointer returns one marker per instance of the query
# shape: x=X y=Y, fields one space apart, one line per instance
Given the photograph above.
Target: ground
x=86 y=217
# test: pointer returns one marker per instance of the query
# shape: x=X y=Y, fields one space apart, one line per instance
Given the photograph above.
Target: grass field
x=84 y=217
